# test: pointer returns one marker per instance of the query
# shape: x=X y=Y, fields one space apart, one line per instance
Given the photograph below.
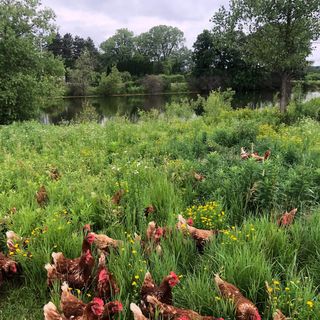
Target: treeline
x=152 y=62
x=125 y=63
x=250 y=45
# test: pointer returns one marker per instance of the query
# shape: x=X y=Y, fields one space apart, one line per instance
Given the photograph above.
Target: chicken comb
x=98 y=301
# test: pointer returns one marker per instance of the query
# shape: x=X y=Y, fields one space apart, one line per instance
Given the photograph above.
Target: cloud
x=99 y=19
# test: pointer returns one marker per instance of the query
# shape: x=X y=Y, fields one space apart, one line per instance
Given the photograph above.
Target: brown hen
x=201 y=236
x=76 y=271
x=70 y=305
x=163 y=292
x=91 y=311
x=106 y=286
x=149 y=210
x=116 y=198
x=54 y=174
x=245 y=155
x=42 y=197
x=287 y=218
x=137 y=313
x=111 y=309
x=8 y=268
x=154 y=233
x=245 y=309
x=64 y=264
x=170 y=312
x=198 y=176
x=104 y=243
x=278 y=315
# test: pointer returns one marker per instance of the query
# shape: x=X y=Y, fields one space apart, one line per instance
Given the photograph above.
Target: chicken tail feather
x=137 y=313
x=217 y=279
x=50 y=312
x=65 y=287
x=56 y=256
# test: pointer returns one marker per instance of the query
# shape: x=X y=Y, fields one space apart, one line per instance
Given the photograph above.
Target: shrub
x=153 y=84
x=218 y=102
x=87 y=114
x=111 y=84
x=182 y=109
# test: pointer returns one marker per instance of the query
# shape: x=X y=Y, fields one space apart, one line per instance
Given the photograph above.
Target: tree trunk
x=285 y=91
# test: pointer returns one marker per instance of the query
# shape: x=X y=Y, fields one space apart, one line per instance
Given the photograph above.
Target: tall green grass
x=154 y=161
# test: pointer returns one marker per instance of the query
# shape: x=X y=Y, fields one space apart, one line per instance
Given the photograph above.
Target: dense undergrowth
x=154 y=160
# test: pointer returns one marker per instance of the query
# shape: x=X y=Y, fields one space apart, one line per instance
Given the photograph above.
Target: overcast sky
x=99 y=19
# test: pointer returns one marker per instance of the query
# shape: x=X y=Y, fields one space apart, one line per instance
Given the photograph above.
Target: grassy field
x=154 y=160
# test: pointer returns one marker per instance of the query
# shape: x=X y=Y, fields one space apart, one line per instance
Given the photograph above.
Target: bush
x=111 y=84
x=173 y=78
x=179 y=87
x=87 y=114
x=153 y=84
x=182 y=109
x=217 y=102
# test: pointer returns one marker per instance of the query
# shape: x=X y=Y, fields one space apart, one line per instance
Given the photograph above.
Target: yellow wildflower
x=310 y=303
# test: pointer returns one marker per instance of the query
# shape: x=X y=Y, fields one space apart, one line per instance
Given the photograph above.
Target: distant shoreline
x=129 y=95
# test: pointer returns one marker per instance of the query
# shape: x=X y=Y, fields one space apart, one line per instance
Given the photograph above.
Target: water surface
x=66 y=109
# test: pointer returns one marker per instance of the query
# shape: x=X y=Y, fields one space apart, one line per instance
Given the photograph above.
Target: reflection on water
x=66 y=109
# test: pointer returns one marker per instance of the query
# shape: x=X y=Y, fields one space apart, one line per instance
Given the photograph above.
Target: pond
x=66 y=109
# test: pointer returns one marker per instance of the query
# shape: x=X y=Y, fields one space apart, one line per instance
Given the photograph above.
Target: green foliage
x=220 y=58
x=279 y=35
x=207 y=216
x=160 y=42
x=70 y=48
x=87 y=114
x=28 y=74
x=153 y=84
x=118 y=49
x=82 y=76
x=182 y=109
x=111 y=83
x=154 y=161
x=217 y=102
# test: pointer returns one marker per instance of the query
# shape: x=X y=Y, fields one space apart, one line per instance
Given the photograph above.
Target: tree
x=162 y=41
x=67 y=50
x=28 y=73
x=204 y=54
x=70 y=49
x=82 y=75
x=118 y=49
x=160 y=44
x=220 y=61
x=153 y=84
x=279 y=35
x=55 y=46
x=111 y=83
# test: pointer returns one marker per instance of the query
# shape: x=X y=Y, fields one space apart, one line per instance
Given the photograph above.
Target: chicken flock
x=155 y=299
x=82 y=272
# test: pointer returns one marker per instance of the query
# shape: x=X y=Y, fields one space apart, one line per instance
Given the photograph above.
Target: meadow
x=154 y=161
